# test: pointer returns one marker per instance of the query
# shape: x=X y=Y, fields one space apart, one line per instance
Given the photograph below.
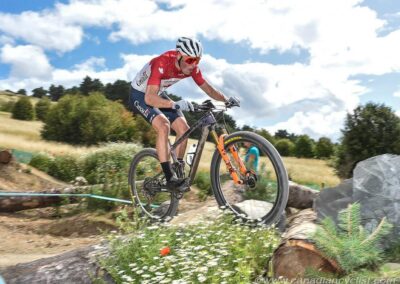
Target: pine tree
x=349 y=243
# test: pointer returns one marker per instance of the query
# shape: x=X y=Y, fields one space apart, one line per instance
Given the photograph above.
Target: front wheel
x=262 y=196
x=147 y=187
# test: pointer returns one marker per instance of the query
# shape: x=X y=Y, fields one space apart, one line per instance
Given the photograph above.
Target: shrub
x=41 y=161
x=88 y=120
x=42 y=108
x=324 y=148
x=23 y=109
x=108 y=161
x=304 y=147
x=65 y=168
x=285 y=147
x=7 y=106
x=203 y=182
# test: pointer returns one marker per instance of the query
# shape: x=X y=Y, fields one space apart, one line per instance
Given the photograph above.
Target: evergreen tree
x=304 y=147
x=56 y=93
x=281 y=134
x=39 y=92
x=21 y=92
x=351 y=245
x=369 y=131
x=119 y=90
x=72 y=91
x=88 y=85
x=23 y=109
x=324 y=148
x=42 y=108
x=247 y=128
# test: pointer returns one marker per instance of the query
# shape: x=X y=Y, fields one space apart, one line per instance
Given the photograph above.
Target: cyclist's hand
x=184 y=105
x=233 y=101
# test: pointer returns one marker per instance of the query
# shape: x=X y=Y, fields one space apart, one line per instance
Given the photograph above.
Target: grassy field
x=7 y=96
x=25 y=136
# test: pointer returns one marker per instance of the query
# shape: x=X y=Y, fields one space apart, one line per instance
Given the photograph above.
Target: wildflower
x=201 y=278
x=165 y=251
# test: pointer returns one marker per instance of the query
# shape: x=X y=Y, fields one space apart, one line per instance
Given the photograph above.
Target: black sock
x=166 y=166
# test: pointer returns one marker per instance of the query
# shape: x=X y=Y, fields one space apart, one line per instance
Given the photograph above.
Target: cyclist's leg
x=180 y=126
x=161 y=125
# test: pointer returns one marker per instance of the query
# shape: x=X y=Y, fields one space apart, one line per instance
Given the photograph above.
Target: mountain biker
x=252 y=156
x=146 y=98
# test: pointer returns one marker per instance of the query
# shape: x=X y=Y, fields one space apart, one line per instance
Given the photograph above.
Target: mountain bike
x=253 y=192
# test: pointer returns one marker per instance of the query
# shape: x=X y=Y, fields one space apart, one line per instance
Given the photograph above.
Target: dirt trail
x=37 y=233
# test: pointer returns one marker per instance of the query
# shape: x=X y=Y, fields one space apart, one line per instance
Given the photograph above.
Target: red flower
x=164 y=251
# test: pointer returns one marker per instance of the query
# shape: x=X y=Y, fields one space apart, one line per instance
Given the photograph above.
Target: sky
x=295 y=65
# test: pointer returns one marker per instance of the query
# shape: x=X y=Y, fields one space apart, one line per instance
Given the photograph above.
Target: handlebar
x=208 y=105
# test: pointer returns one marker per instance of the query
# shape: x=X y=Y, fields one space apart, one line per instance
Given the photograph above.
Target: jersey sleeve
x=157 y=71
x=197 y=76
x=254 y=151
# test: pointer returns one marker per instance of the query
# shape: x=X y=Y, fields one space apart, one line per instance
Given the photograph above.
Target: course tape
x=22 y=194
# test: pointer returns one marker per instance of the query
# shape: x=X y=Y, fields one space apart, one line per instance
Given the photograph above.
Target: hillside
x=6 y=96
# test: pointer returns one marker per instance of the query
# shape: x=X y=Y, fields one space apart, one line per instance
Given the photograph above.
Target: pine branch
x=376 y=232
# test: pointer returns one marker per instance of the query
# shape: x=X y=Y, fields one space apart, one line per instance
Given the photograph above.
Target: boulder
x=375 y=185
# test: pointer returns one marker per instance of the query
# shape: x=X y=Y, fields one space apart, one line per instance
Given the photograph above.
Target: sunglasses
x=191 y=60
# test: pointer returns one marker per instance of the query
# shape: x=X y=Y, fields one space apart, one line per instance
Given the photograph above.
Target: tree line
x=92 y=113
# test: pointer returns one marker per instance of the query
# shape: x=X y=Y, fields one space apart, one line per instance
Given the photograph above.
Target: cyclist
x=252 y=156
x=146 y=98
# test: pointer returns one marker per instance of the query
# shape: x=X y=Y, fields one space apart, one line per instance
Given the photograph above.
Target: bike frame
x=208 y=124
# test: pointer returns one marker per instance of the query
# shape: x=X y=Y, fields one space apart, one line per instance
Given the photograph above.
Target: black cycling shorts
x=138 y=105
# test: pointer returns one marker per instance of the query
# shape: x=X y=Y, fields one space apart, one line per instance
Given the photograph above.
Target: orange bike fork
x=221 y=148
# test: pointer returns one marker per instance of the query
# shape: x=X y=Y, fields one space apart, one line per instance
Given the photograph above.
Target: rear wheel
x=147 y=187
x=264 y=193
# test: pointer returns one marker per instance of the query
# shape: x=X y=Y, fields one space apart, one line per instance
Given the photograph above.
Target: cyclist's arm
x=212 y=92
x=151 y=98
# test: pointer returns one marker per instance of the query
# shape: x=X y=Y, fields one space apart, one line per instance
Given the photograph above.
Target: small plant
x=349 y=243
x=203 y=182
x=41 y=161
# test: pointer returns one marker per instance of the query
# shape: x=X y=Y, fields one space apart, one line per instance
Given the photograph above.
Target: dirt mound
x=21 y=177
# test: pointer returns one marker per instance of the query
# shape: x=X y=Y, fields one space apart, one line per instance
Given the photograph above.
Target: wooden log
x=5 y=156
x=301 y=197
x=77 y=266
x=18 y=203
x=297 y=252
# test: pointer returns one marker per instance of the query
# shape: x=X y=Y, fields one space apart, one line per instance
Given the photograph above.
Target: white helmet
x=189 y=46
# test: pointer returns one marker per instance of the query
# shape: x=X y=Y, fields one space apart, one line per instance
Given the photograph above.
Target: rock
x=77 y=266
x=253 y=208
x=332 y=200
x=376 y=186
x=391 y=266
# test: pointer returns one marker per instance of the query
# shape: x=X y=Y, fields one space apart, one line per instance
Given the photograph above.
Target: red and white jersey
x=161 y=71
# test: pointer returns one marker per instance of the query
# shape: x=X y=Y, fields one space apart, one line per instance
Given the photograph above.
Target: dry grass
x=25 y=136
x=6 y=97
x=313 y=171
